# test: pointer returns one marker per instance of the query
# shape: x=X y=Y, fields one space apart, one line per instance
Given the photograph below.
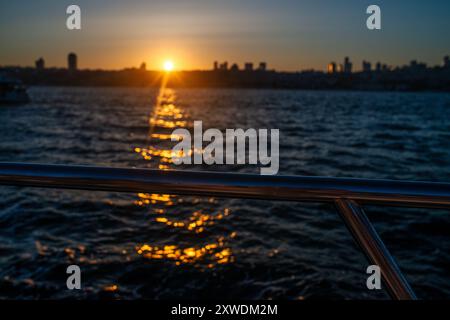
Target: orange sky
x=287 y=34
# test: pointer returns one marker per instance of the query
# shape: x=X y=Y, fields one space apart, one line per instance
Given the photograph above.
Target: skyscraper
x=223 y=66
x=248 y=66
x=332 y=68
x=347 y=65
x=366 y=66
x=40 y=64
x=446 y=62
x=72 y=62
x=262 y=66
x=378 y=67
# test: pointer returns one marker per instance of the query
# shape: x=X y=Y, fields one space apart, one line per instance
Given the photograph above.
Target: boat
x=12 y=91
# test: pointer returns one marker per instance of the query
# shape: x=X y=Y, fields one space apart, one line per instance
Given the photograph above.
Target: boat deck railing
x=347 y=194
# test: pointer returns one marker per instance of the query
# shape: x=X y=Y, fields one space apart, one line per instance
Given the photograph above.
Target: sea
x=162 y=246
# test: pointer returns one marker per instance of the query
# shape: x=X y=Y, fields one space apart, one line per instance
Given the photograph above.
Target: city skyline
x=288 y=36
x=332 y=67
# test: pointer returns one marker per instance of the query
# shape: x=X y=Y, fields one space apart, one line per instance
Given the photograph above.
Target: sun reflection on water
x=163 y=207
x=210 y=254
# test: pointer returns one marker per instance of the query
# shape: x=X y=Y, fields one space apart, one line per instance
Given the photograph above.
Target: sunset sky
x=287 y=34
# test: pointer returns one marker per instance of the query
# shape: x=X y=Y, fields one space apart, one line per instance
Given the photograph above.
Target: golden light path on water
x=167 y=116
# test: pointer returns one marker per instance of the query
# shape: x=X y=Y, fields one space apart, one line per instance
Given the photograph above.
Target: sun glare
x=168 y=65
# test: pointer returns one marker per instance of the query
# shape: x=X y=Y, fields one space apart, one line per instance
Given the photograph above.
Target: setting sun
x=168 y=65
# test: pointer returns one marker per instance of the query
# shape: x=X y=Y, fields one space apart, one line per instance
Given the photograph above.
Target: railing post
x=375 y=250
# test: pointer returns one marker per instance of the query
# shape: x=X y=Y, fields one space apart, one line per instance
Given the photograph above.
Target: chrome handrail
x=345 y=193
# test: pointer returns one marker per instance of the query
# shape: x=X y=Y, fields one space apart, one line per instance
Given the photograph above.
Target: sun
x=168 y=65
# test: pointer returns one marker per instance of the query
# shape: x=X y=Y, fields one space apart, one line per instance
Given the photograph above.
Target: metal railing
x=346 y=194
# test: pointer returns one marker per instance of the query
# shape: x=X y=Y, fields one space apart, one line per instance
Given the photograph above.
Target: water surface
x=159 y=246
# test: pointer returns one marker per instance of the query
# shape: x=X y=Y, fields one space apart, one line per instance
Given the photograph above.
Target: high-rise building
x=72 y=61
x=223 y=66
x=216 y=65
x=347 y=65
x=366 y=66
x=446 y=62
x=378 y=67
x=332 y=68
x=234 y=67
x=40 y=64
x=262 y=66
x=248 y=66
x=417 y=66
x=143 y=66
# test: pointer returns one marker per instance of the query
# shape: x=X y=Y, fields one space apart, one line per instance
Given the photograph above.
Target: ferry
x=12 y=91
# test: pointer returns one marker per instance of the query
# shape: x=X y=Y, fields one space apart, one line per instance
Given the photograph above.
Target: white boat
x=12 y=91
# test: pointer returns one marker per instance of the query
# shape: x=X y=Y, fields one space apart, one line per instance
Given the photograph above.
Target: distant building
x=234 y=67
x=417 y=66
x=378 y=67
x=223 y=66
x=366 y=66
x=72 y=62
x=340 y=68
x=347 y=65
x=40 y=64
x=262 y=66
x=248 y=66
x=216 y=66
x=332 y=68
x=446 y=62
x=143 y=66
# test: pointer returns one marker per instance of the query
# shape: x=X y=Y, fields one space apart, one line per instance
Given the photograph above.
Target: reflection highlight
x=166 y=116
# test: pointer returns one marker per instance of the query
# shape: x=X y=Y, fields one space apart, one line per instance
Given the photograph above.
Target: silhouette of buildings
x=446 y=62
x=366 y=66
x=332 y=68
x=72 y=61
x=414 y=76
x=413 y=67
x=347 y=65
x=143 y=66
x=417 y=66
x=40 y=64
x=223 y=66
x=378 y=67
x=262 y=66
x=248 y=66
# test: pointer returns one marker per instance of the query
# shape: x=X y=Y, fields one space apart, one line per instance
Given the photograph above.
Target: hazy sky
x=287 y=34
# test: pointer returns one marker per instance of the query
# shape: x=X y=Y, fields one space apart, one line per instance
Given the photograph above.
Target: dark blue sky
x=288 y=34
